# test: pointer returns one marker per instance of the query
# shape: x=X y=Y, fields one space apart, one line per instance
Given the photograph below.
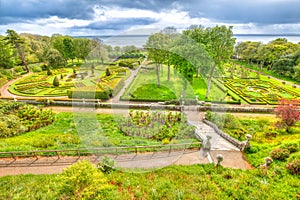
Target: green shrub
x=107 y=72
x=291 y=146
x=82 y=181
x=36 y=68
x=10 y=125
x=44 y=142
x=56 y=81
x=294 y=167
x=19 y=69
x=107 y=165
x=49 y=72
x=68 y=139
x=89 y=93
x=3 y=81
x=280 y=154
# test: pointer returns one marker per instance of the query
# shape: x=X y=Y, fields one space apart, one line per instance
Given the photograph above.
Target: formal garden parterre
x=73 y=80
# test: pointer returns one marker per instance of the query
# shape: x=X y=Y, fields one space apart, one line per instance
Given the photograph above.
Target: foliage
x=205 y=182
x=156 y=125
x=129 y=62
x=55 y=81
x=17 y=118
x=14 y=39
x=288 y=111
x=294 y=167
x=90 y=92
x=107 y=72
x=280 y=154
x=82 y=180
x=278 y=57
x=107 y=165
x=157 y=49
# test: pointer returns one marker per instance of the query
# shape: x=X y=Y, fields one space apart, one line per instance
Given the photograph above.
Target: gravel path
x=142 y=161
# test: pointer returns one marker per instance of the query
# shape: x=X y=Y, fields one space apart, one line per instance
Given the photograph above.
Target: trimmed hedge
x=116 y=89
x=89 y=93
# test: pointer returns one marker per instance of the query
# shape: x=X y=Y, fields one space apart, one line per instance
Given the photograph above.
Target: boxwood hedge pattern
x=256 y=91
x=40 y=84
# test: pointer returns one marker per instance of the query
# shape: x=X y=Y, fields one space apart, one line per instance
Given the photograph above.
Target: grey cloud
x=16 y=10
x=117 y=24
x=251 y=11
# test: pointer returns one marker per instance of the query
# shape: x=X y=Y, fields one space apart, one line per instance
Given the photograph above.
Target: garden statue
x=207 y=144
x=220 y=158
x=246 y=144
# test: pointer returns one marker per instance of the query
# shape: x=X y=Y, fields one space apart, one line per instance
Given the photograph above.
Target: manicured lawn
x=144 y=86
x=153 y=93
x=174 y=182
x=199 y=87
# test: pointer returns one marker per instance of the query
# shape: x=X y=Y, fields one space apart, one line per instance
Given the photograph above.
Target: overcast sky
x=106 y=17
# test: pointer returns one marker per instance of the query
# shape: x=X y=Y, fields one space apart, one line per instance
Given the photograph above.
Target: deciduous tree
x=14 y=39
x=288 y=112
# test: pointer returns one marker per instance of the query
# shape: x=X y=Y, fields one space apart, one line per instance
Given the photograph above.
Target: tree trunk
x=197 y=72
x=169 y=73
x=261 y=65
x=209 y=80
x=22 y=57
x=157 y=75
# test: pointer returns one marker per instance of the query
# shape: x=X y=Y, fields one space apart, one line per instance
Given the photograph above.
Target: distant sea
x=140 y=40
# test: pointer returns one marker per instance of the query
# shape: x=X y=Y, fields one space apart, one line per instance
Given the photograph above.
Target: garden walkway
x=133 y=73
x=142 y=162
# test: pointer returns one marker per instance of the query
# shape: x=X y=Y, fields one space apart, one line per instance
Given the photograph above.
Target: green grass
x=175 y=182
x=148 y=77
x=263 y=144
x=199 y=87
x=153 y=93
x=92 y=130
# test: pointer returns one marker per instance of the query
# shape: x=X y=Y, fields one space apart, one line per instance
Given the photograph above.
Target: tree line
x=279 y=56
x=55 y=51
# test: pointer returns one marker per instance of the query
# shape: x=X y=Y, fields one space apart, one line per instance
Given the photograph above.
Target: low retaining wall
x=141 y=105
x=230 y=139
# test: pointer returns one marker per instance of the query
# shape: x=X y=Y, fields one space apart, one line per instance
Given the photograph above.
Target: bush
x=69 y=139
x=10 y=126
x=36 y=68
x=107 y=72
x=82 y=181
x=89 y=93
x=294 y=167
x=107 y=165
x=291 y=146
x=280 y=154
x=49 y=72
x=56 y=82
x=44 y=142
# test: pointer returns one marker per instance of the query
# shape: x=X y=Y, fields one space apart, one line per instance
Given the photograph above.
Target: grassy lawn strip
x=175 y=182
